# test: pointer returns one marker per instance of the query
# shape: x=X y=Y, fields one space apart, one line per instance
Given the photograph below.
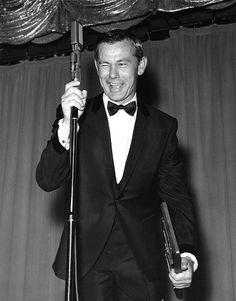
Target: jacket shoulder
x=161 y=118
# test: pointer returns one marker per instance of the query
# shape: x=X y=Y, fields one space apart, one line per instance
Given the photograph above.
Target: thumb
x=84 y=93
x=186 y=264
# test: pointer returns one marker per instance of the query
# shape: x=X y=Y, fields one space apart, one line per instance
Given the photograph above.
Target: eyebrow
x=121 y=60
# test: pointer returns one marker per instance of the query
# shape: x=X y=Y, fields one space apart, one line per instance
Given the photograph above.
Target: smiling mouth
x=115 y=86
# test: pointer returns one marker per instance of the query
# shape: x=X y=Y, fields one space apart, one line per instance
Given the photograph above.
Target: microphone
x=77 y=46
x=75 y=58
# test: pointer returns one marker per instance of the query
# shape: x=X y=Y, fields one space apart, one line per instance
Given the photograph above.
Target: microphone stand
x=71 y=268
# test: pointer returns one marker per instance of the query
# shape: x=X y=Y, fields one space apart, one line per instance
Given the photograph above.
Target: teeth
x=115 y=85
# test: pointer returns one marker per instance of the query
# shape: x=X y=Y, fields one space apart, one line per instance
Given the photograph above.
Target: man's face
x=118 y=69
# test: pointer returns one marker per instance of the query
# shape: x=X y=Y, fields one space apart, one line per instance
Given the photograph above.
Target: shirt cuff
x=193 y=258
x=63 y=134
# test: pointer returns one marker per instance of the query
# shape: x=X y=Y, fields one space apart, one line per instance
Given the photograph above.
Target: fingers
x=73 y=97
x=181 y=280
x=74 y=83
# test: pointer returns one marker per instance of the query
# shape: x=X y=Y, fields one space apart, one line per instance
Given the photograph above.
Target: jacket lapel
x=137 y=143
x=102 y=128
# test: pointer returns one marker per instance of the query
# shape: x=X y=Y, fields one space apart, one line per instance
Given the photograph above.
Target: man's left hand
x=183 y=279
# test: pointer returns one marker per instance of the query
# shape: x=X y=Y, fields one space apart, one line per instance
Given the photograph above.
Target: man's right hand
x=73 y=97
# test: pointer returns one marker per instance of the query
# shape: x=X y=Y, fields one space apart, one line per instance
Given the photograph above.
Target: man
x=127 y=165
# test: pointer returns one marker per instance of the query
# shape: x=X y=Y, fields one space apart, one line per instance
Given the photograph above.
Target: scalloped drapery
x=22 y=21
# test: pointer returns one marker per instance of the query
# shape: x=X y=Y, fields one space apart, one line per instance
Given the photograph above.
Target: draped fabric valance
x=22 y=21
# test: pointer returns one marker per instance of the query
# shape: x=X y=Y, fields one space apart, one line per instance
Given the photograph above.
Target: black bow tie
x=130 y=108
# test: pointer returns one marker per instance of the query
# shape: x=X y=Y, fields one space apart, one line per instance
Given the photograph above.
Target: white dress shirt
x=121 y=127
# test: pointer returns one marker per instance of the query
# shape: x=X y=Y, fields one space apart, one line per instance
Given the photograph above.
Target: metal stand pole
x=71 y=272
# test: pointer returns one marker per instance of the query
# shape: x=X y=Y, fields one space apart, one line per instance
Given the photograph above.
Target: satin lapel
x=102 y=129
x=136 y=145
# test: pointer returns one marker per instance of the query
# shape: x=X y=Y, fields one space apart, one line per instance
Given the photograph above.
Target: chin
x=117 y=98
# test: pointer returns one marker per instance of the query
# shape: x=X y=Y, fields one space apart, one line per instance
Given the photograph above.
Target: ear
x=142 y=65
x=96 y=65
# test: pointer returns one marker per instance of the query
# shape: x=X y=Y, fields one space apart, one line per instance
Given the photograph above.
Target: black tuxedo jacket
x=153 y=172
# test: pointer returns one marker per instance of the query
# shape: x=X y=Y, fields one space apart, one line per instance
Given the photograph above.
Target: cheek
x=102 y=77
x=130 y=75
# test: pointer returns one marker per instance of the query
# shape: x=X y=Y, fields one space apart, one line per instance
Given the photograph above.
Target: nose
x=113 y=72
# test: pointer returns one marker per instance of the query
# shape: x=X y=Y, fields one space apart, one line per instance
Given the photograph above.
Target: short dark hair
x=119 y=35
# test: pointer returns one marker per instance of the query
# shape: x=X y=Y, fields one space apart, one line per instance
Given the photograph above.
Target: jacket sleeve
x=54 y=166
x=173 y=190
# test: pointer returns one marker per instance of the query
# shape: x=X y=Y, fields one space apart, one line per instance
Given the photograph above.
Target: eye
x=103 y=65
x=122 y=64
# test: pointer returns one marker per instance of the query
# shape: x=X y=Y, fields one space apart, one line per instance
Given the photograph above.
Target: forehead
x=121 y=49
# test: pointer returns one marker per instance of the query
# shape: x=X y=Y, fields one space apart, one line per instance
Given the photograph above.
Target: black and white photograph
x=118 y=150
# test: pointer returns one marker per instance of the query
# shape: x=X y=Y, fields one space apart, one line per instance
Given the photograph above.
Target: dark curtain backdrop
x=192 y=76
